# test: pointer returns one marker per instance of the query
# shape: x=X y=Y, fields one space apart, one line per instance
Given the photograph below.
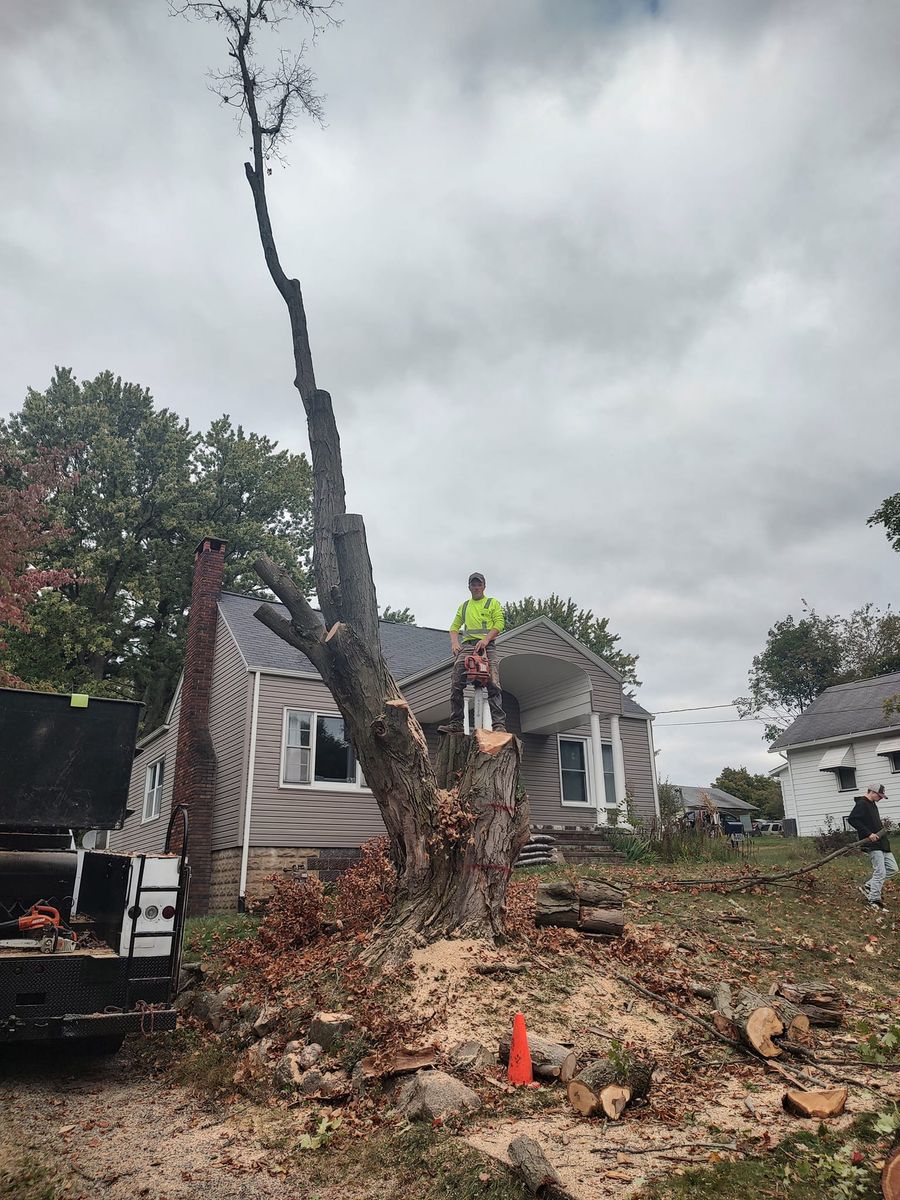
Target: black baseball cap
x=476 y=577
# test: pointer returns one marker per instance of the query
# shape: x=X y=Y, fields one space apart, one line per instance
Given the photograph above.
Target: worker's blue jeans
x=883 y=867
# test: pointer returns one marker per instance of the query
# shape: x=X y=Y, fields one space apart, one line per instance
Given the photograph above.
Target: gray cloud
x=643 y=255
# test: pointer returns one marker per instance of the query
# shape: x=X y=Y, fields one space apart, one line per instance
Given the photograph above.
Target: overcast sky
x=605 y=292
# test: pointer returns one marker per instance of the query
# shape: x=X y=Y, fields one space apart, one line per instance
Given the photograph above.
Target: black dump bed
x=62 y=765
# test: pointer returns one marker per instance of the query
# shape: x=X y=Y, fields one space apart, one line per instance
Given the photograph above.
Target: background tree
x=26 y=531
x=588 y=629
x=804 y=657
x=761 y=790
x=398 y=616
x=453 y=846
x=143 y=490
x=888 y=515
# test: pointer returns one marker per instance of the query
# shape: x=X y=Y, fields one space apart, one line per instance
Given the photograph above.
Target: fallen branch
x=721 y=1037
x=535 y=1170
x=664 y=1149
x=750 y=881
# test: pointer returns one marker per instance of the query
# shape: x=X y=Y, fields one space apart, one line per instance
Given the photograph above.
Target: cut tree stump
x=890 y=1177
x=605 y=1087
x=548 y=1059
x=587 y=904
x=821 y=1104
x=450 y=760
x=822 y=1003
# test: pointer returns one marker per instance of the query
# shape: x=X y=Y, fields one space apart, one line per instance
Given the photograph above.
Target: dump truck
x=90 y=939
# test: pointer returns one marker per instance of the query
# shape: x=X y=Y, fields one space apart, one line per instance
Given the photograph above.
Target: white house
x=839 y=746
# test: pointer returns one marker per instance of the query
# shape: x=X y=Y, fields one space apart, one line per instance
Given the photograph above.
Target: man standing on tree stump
x=477 y=622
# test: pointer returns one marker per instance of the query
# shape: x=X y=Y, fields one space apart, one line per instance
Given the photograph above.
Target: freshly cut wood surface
x=401 y=1063
x=890 y=1177
x=820 y=1104
x=753 y=1016
x=605 y=1087
x=548 y=1059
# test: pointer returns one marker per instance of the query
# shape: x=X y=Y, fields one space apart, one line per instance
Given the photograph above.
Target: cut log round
x=601 y=920
x=752 y=1016
x=820 y=1104
x=822 y=1003
x=795 y=1021
x=604 y=1087
x=890 y=1177
x=548 y=1059
x=595 y=893
x=529 y=1160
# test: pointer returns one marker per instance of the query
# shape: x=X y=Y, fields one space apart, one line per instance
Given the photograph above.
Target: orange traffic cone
x=519 y=1055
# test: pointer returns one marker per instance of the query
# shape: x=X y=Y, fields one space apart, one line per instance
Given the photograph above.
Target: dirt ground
x=107 y=1127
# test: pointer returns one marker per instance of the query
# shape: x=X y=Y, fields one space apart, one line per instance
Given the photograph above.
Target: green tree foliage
x=803 y=657
x=590 y=630
x=761 y=790
x=888 y=515
x=397 y=616
x=144 y=489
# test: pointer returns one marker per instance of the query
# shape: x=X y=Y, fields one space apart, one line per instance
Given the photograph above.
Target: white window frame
x=156 y=790
x=588 y=770
x=314 y=785
x=589 y=761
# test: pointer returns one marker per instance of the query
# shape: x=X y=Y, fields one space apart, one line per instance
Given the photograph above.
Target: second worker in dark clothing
x=866 y=820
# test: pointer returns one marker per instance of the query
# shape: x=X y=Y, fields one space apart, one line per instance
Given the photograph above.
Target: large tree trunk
x=454 y=847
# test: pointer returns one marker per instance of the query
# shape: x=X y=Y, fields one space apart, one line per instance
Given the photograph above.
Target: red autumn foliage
x=25 y=488
x=293 y=915
x=364 y=892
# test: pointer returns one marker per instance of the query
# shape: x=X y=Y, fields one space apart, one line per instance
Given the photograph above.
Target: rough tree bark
x=453 y=847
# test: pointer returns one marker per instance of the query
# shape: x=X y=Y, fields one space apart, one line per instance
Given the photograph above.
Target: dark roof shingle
x=844 y=709
x=407 y=648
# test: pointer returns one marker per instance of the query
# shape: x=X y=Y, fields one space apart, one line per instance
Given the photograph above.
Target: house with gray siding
x=841 y=744
x=287 y=790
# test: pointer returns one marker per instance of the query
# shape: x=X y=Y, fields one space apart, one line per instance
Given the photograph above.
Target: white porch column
x=597 y=769
x=618 y=768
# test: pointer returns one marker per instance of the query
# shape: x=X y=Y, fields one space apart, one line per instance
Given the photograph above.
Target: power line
x=726 y=721
x=696 y=708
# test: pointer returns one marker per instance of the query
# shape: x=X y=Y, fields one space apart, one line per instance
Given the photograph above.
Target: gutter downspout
x=248 y=802
x=653 y=766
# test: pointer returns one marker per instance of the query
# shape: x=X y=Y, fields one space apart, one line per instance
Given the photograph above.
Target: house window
x=573 y=768
x=317 y=751
x=153 y=786
x=846 y=778
x=894 y=760
x=576 y=773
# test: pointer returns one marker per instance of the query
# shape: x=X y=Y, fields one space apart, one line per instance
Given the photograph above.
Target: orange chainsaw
x=478 y=669
x=42 y=919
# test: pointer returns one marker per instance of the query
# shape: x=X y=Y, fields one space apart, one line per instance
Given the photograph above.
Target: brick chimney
x=195 y=760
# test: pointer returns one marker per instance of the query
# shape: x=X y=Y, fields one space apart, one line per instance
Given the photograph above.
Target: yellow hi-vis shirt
x=475 y=618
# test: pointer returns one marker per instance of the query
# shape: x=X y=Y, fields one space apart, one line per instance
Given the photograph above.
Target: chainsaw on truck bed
x=90 y=939
x=43 y=918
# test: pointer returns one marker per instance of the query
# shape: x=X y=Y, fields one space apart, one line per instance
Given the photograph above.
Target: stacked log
x=605 y=1087
x=755 y=1019
x=822 y=1003
x=548 y=1059
x=585 y=904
